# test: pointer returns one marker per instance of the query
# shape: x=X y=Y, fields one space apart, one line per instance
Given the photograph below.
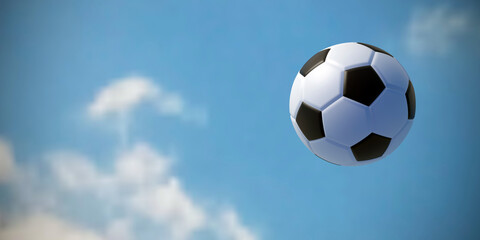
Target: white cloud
x=7 y=164
x=231 y=228
x=140 y=185
x=75 y=171
x=170 y=205
x=141 y=165
x=41 y=226
x=438 y=29
x=141 y=180
x=124 y=94
x=171 y=104
x=119 y=229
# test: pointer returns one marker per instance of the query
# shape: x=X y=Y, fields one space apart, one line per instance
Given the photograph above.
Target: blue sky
x=226 y=69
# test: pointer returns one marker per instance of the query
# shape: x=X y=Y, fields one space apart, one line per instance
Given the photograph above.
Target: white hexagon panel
x=391 y=72
x=323 y=85
x=349 y=55
x=338 y=124
x=352 y=104
x=328 y=149
x=389 y=113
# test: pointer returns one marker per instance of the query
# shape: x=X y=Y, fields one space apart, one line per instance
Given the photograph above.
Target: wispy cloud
x=143 y=183
x=75 y=171
x=438 y=29
x=140 y=184
x=121 y=97
x=168 y=204
x=6 y=161
x=141 y=165
x=231 y=228
x=124 y=94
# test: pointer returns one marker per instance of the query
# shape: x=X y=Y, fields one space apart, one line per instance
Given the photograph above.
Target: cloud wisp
x=121 y=97
x=230 y=227
x=140 y=184
x=438 y=29
x=125 y=94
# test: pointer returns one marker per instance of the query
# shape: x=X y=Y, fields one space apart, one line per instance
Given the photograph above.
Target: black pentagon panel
x=376 y=49
x=314 y=62
x=410 y=95
x=373 y=146
x=310 y=122
x=362 y=84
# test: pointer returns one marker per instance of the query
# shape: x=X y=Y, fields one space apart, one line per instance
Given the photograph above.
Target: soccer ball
x=352 y=104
